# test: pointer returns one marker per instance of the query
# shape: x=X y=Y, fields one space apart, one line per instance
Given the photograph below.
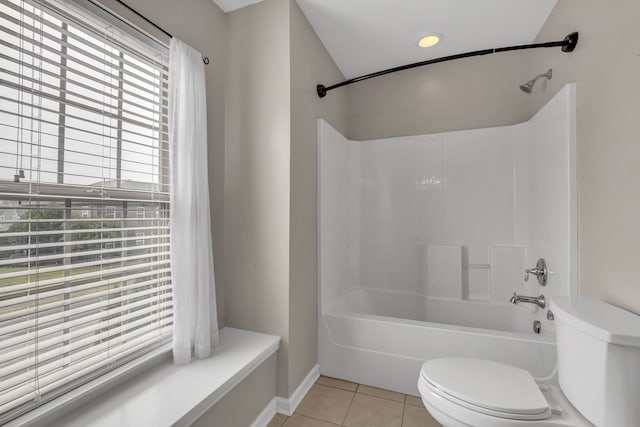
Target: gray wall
x=464 y=94
x=242 y=405
x=270 y=183
x=257 y=173
x=606 y=67
x=310 y=65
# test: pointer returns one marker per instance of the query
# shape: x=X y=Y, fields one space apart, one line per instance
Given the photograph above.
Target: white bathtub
x=381 y=338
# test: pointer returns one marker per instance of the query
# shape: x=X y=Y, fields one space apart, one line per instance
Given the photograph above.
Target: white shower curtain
x=195 y=327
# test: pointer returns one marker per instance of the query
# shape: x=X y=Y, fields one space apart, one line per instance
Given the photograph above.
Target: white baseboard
x=288 y=406
x=285 y=406
x=266 y=415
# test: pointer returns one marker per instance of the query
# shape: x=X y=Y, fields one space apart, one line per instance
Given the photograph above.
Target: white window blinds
x=85 y=280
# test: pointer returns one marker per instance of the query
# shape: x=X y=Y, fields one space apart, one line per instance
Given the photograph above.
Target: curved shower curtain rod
x=568 y=45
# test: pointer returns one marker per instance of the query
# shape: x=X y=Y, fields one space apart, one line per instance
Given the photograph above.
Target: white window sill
x=165 y=394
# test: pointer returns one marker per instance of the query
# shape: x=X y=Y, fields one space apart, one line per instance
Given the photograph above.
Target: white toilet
x=598 y=371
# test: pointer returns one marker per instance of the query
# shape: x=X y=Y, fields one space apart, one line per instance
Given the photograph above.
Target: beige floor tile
x=379 y=392
x=414 y=401
x=326 y=403
x=337 y=383
x=370 y=411
x=297 y=420
x=415 y=416
x=277 y=420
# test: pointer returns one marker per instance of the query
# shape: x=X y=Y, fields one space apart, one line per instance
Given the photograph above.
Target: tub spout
x=539 y=301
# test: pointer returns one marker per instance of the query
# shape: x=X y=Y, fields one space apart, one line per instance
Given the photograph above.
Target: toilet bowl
x=598 y=384
x=481 y=393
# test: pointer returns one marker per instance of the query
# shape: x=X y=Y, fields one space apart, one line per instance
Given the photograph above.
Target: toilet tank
x=599 y=360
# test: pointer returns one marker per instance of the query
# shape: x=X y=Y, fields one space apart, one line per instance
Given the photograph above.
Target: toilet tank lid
x=598 y=319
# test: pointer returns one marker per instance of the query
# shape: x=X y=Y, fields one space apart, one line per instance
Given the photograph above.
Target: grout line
x=354 y=392
x=339 y=388
x=404 y=396
x=349 y=408
x=380 y=397
x=323 y=420
x=315 y=418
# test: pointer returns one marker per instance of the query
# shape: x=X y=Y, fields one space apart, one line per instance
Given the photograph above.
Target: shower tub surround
x=424 y=239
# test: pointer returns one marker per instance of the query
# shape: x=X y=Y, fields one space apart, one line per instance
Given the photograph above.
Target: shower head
x=528 y=86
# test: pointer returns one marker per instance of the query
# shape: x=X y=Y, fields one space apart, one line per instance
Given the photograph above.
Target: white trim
x=288 y=406
x=174 y=392
x=236 y=379
x=266 y=415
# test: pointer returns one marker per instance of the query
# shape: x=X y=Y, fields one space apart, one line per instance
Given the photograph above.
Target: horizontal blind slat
x=58 y=14
x=160 y=258
x=104 y=125
x=42 y=46
x=44 y=367
x=87 y=230
x=67 y=256
x=113 y=194
x=112 y=289
x=97 y=91
x=89 y=275
x=100 y=83
x=36 y=31
x=63 y=220
x=84 y=242
x=111 y=169
x=88 y=365
x=63 y=96
x=67 y=324
x=11 y=375
x=159 y=150
x=90 y=313
x=44 y=121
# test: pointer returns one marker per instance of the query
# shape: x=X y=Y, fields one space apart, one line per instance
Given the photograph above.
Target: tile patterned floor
x=332 y=402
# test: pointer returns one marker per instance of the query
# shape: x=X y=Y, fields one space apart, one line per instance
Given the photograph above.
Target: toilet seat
x=487 y=387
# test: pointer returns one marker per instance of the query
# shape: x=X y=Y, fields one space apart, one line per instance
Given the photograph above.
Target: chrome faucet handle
x=533 y=271
x=540 y=271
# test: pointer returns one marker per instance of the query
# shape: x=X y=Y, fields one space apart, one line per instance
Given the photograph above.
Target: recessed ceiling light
x=430 y=40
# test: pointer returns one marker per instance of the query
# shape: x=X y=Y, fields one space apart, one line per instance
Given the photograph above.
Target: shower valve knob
x=540 y=271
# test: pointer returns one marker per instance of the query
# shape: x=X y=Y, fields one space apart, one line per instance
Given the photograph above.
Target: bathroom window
x=83 y=141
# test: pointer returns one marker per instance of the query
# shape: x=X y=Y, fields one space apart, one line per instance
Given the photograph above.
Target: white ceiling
x=365 y=36
x=231 y=5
